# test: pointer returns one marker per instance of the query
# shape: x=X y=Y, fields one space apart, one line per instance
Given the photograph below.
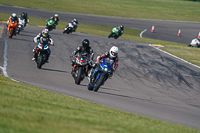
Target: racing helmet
x=75 y=20
x=14 y=15
x=122 y=27
x=22 y=14
x=56 y=16
x=113 y=51
x=45 y=32
x=85 y=43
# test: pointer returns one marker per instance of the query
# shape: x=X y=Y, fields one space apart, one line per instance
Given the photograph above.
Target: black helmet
x=22 y=14
x=121 y=26
x=85 y=43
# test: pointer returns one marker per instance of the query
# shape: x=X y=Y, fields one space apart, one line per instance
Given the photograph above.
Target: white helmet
x=113 y=51
x=56 y=15
x=14 y=15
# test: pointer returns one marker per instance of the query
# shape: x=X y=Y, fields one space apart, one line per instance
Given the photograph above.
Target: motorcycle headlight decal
x=40 y=46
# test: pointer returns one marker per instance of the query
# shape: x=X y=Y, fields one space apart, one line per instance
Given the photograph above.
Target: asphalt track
x=148 y=82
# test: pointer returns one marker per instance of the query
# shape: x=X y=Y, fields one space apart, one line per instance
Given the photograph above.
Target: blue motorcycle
x=100 y=74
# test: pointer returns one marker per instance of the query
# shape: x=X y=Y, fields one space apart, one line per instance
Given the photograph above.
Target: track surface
x=148 y=82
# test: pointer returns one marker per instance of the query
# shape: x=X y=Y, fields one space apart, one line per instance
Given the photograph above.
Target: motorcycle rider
x=112 y=54
x=43 y=38
x=75 y=24
x=55 y=19
x=25 y=16
x=13 y=17
x=84 y=49
x=121 y=29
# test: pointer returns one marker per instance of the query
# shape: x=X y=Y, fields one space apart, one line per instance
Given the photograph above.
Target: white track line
x=174 y=56
x=142 y=32
x=5 y=58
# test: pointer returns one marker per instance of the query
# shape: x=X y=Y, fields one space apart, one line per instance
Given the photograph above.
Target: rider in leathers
x=55 y=19
x=45 y=38
x=121 y=29
x=25 y=16
x=113 y=55
x=13 y=17
x=84 y=49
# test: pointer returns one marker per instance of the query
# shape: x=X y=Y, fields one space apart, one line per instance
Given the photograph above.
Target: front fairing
x=81 y=61
x=115 y=30
x=106 y=66
x=43 y=47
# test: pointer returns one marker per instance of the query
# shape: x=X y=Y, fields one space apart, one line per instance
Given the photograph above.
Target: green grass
x=148 y=9
x=27 y=109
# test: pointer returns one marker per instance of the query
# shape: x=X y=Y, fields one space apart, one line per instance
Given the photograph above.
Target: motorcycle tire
x=98 y=83
x=39 y=62
x=11 y=33
x=110 y=35
x=90 y=87
x=79 y=74
x=18 y=30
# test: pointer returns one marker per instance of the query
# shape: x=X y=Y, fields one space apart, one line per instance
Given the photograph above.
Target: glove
x=97 y=62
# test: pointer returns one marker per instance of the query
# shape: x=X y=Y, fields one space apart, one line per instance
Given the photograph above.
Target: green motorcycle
x=115 y=33
x=50 y=25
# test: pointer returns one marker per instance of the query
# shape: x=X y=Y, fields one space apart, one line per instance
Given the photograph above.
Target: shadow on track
x=46 y=69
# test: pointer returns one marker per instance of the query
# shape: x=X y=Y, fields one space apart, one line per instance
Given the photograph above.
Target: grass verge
x=27 y=109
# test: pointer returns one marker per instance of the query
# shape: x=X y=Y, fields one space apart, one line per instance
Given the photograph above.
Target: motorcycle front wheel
x=79 y=73
x=39 y=62
x=11 y=33
x=98 y=83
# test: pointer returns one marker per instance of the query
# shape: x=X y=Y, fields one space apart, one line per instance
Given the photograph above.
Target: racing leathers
x=55 y=20
x=107 y=55
x=43 y=40
x=88 y=51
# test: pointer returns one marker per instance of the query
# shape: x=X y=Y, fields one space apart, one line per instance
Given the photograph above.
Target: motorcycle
x=69 y=28
x=50 y=25
x=100 y=74
x=80 y=67
x=194 y=43
x=12 y=27
x=115 y=33
x=21 y=24
x=42 y=53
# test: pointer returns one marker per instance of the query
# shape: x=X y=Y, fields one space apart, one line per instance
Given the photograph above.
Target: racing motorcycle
x=50 y=25
x=69 y=28
x=80 y=67
x=114 y=33
x=194 y=43
x=42 y=53
x=100 y=74
x=12 y=27
x=21 y=24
